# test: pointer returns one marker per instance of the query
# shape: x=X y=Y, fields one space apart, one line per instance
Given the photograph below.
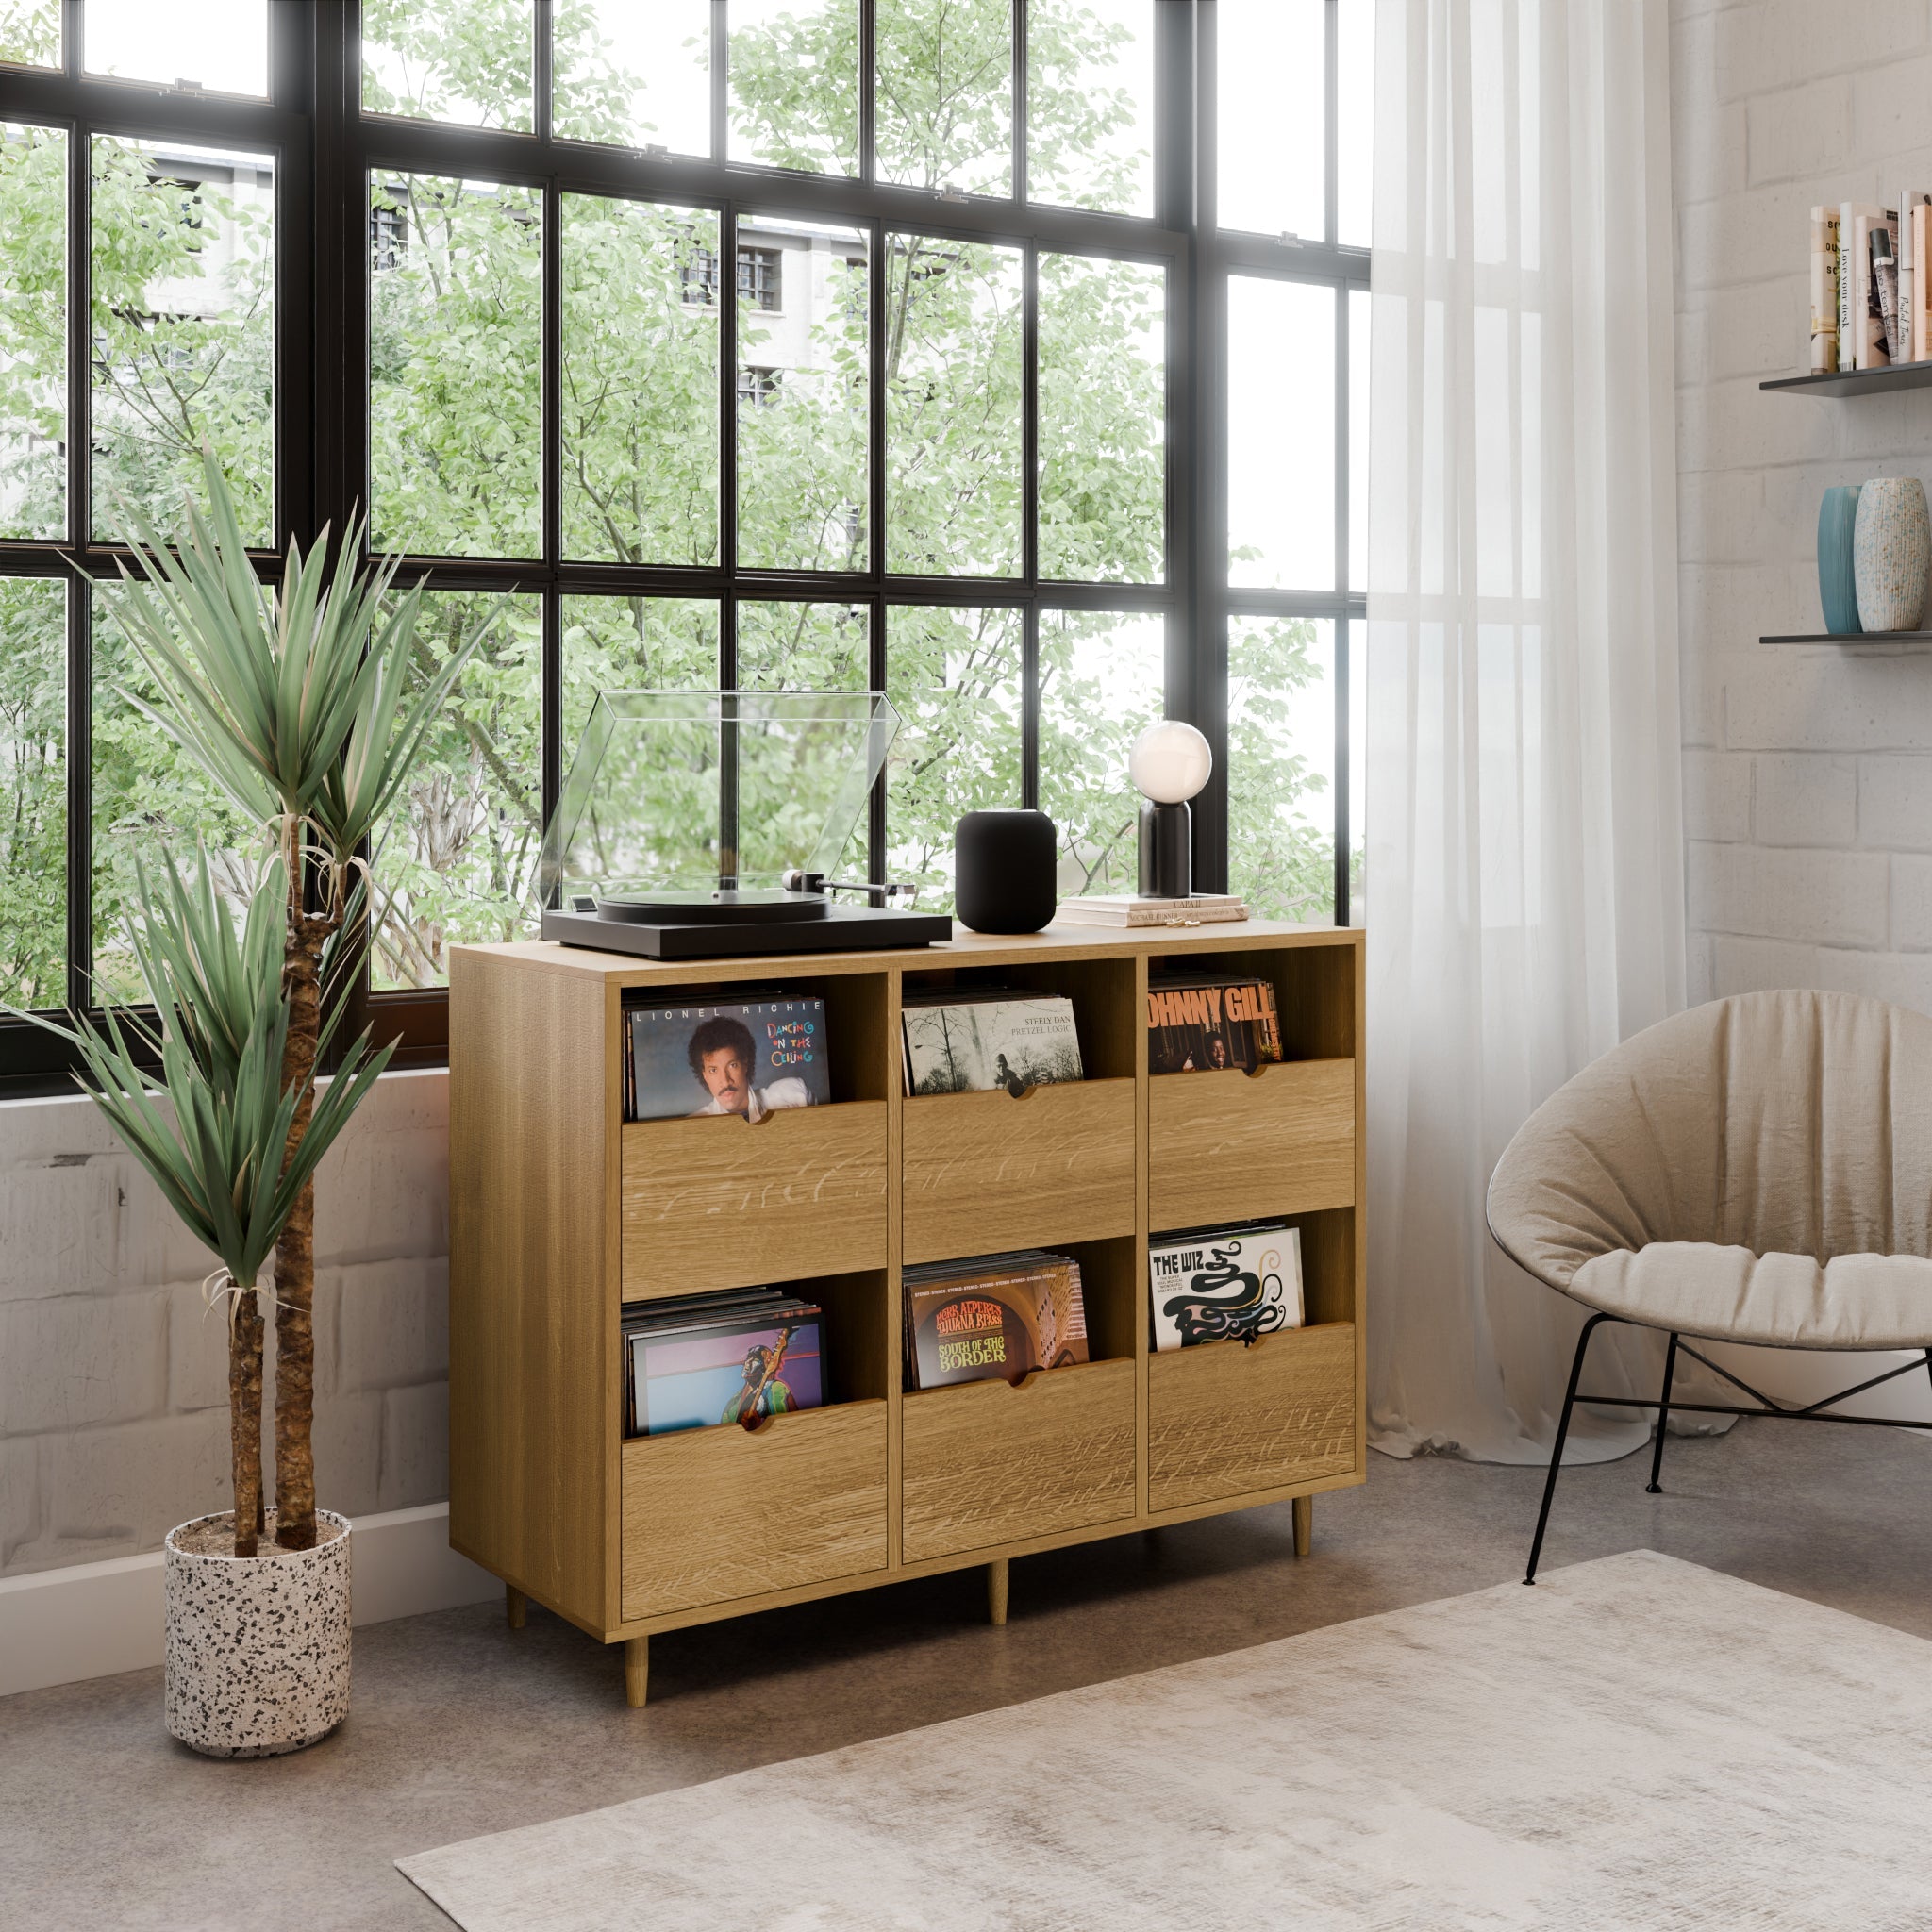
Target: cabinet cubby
x=561 y=1211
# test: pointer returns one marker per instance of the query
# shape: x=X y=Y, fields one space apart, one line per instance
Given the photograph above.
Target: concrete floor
x=462 y=1727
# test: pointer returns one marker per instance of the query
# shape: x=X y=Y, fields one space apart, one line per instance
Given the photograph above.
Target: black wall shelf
x=1854 y=637
x=1855 y=382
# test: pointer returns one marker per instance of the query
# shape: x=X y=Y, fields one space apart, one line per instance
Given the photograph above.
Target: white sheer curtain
x=1524 y=867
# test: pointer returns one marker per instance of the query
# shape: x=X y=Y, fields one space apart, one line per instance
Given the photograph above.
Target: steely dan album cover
x=747 y=1057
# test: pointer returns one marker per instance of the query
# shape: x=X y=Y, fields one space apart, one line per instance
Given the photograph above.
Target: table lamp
x=1168 y=764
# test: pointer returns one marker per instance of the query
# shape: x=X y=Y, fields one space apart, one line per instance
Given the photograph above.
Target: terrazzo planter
x=257 y=1647
x=1892 y=548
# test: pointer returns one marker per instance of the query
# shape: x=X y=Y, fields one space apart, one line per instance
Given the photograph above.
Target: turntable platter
x=747 y=906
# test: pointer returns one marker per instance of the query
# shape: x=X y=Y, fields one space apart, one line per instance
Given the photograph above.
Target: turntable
x=706 y=825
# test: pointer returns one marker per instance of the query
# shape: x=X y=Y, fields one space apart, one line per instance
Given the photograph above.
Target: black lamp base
x=1167 y=850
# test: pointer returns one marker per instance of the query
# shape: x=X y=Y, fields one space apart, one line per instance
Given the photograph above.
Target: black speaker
x=1004 y=871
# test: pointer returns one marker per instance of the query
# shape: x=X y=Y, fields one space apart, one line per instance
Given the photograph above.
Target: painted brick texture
x=1807 y=771
x=113 y=1390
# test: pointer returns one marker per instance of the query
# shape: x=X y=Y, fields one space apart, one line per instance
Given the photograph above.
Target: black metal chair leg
x=1543 y=1521
x=1654 y=1488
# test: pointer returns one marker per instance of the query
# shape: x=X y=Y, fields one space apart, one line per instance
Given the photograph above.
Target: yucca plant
x=295 y=701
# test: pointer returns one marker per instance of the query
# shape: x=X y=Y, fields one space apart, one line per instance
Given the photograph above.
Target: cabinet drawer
x=984 y=1172
x=1224 y=1420
x=717 y=1203
x=1229 y=1146
x=984 y=1463
x=714 y=1514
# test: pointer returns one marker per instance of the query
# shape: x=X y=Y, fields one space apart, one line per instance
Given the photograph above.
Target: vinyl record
x=749 y=907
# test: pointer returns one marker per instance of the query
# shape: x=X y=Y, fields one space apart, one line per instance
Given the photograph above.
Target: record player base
x=559 y=1209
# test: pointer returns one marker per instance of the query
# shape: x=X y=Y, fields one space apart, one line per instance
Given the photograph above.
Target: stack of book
x=1211 y=1022
x=995 y=1318
x=1870 y=293
x=1131 y=909
x=969 y=1040
x=749 y=1056
x=692 y=1362
x=1224 y=1284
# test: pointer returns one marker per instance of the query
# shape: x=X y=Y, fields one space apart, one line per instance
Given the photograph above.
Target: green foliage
x=30 y=32
x=33 y=791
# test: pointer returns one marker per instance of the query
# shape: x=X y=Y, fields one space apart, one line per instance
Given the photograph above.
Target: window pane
x=1102 y=681
x=1281 y=434
x=954 y=677
x=463 y=60
x=1281 y=766
x=945 y=94
x=1272 y=80
x=1359 y=439
x=634 y=76
x=802 y=390
x=455 y=348
x=796 y=648
x=633 y=643
x=953 y=396
x=183 y=328
x=1102 y=468
x=218 y=44
x=1358 y=787
x=1355 y=114
x=454 y=860
x=33 y=331
x=804 y=647
x=30 y=32
x=149 y=802
x=33 y=770
x=1089 y=104
x=639 y=381
x=794 y=84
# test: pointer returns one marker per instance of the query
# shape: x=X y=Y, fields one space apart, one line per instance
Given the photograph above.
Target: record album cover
x=735 y=1369
x=1204 y=1026
x=1224 y=1283
x=974 y=1046
x=998 y=1318
x=745 y=1057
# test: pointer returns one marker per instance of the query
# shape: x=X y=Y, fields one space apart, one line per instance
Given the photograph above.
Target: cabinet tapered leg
x=1304 y=1524
x=514 y=1605
x=637 y=1671
x=996 y=1591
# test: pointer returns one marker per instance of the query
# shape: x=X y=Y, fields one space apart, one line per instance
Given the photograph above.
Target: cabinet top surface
x=965 y=949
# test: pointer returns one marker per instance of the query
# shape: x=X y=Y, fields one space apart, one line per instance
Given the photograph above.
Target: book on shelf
x=1211 y=1024
x=1131 y=909
x=1235 y=1283
x=970 y=1040
x=1860 y=322
x=699 y=1360
x=994 y=1318
x=748 y=1057
x=1825 y=267
x=1885 y=286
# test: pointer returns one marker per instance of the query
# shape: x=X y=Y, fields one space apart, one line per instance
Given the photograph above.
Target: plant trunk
x=245 y=1417
x=295 y=1252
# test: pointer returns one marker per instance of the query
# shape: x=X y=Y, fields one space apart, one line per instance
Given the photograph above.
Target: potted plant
x=295 y=703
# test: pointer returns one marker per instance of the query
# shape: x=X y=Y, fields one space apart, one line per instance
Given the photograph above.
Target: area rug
x=1635 y=1743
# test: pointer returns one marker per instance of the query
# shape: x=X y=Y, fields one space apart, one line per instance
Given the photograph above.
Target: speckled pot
x=1892 y=548
x=257 y=1655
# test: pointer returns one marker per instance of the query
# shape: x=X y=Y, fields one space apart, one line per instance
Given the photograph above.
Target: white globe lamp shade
x=1170 y=762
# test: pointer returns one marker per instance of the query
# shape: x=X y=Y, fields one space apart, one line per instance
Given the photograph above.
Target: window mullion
x=79 y=746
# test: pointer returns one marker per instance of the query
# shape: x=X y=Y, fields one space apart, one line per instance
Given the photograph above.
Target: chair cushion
x=1788 y=1301
x=1758 y=1169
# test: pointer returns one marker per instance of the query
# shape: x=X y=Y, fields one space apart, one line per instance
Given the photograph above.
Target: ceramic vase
x=1892 y=547
x=1836 y=587
x=257 y=1647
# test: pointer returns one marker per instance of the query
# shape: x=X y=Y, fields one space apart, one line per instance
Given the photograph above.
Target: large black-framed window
x=973 y=419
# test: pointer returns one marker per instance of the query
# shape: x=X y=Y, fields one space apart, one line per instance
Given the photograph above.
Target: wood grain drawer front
x=1226 y=1420
x=716 y=1203
x=710 y=1515
x=982 y=1172
x=1228 y=1147
x=984 y=1463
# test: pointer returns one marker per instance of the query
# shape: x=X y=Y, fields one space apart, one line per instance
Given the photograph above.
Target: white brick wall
x=1808 y=771
x=114 y=1389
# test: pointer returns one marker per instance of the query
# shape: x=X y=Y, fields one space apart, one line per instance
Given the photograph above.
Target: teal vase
x=1838 y=591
